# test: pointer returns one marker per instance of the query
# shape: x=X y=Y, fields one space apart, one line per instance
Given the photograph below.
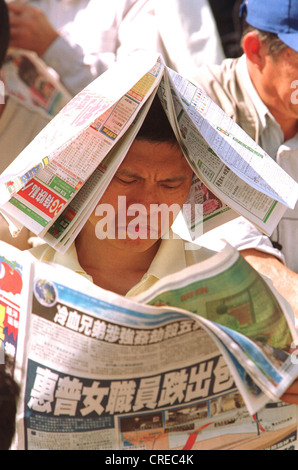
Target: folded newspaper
x=55 y=183
x=197 y=361
x=28 y=78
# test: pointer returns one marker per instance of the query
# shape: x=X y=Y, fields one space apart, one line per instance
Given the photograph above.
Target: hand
x=29 y=28
x=291 y=395
x=284 y=280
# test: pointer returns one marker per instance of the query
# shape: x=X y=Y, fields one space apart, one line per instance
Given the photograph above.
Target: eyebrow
x=130 y=174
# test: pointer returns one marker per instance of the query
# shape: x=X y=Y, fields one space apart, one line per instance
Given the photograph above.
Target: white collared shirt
x=271 y=135
x=173 y=255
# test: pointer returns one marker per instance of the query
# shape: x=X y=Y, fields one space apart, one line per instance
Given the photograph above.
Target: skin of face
x=276 y=81
x=278 y=75
x=151 y=175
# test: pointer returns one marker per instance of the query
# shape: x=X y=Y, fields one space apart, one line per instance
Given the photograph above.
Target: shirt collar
x=68 y=259
x=164 y=263
x=172 y=244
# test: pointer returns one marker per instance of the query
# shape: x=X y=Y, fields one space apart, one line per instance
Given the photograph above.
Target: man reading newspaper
x=122 y=255
x=126 y=248
x=127 y=257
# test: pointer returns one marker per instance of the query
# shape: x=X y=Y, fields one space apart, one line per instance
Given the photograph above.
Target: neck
x=289 y=125
x=111 y=267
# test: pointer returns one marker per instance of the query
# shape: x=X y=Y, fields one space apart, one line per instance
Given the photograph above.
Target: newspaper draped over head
x=55 y=183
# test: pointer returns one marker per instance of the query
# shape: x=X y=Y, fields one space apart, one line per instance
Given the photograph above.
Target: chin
x=135 y=246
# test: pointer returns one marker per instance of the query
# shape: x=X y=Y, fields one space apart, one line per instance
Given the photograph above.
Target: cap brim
x=290 y=39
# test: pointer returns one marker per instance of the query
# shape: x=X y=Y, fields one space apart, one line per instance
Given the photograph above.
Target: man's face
x=152 y=176
x=278 y=82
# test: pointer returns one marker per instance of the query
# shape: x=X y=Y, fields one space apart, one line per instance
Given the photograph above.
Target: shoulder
x=43 y=252
x=222 y=83
x=225 y=85
x=25 y=118
x=195 y=253
x=220 y=73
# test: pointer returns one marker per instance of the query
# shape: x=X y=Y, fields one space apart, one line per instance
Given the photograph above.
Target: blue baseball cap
x=274 y=16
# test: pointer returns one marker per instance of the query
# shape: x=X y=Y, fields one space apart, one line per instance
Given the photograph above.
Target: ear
x=254 y=49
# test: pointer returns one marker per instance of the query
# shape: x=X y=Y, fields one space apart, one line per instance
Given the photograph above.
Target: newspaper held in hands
x=195 y=362
x=27 y=77
x=51 y=187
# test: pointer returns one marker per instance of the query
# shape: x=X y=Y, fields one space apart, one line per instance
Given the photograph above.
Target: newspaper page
x=101 y=371
x=78 y=116
x=41 y=195
x=225 y=290
x=15 y=275
x=227 y=161
x=28 y=78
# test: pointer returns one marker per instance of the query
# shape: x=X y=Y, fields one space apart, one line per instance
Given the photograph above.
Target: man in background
x=258 y=91
x=81 y=39
x=19 y=124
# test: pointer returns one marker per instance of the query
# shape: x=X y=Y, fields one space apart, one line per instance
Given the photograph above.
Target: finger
x=16 y=21
x=291 y=395
x=16 y=8
x=293 y=389
x=18 y=29
x=292 y=399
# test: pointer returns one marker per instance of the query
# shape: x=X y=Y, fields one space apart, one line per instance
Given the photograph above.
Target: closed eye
x=124 y=180
x=172 y=185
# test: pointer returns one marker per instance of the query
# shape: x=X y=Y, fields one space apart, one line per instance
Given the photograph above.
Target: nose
x=146 y=196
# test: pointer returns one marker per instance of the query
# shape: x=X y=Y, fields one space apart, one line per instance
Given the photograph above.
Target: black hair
x=4 y=31
x=9 y=394
x=156 y=126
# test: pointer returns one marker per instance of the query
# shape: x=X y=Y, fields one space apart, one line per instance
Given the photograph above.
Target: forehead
x=146 y=154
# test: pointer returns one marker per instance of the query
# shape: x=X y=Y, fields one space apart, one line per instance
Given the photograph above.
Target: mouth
x=138 y=231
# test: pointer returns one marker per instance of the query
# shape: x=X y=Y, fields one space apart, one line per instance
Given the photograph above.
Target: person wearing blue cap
x=259 y=91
